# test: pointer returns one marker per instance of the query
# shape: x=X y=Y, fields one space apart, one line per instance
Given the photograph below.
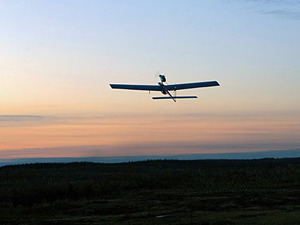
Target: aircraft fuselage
x=164 y=90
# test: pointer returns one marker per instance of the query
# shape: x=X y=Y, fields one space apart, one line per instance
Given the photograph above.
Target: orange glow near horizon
x=142 y=136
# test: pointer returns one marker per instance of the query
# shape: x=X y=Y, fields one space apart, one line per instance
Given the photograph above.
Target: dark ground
x=211 y=192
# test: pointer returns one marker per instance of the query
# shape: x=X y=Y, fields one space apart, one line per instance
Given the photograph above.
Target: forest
x=264 y=191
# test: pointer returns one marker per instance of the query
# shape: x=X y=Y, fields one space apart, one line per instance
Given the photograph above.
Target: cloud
x=289 y=9
x=284 y=13
x=20 y=117
x=25 y=120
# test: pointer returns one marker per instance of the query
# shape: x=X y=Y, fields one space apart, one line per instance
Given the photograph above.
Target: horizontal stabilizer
x=175 y=97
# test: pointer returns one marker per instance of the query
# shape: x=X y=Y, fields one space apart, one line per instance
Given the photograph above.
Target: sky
x=57 y=59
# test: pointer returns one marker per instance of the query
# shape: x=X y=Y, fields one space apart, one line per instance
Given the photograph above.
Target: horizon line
x=279 y=154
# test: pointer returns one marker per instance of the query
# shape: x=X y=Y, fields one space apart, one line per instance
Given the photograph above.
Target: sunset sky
x=57 y=59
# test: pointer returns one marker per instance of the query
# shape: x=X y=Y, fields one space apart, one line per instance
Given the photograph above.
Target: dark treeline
x=31 y=184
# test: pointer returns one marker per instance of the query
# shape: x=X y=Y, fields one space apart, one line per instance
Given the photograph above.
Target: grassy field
x=263 y=191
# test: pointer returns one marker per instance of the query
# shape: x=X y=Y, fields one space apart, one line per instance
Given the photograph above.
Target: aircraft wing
x=137 y=87
x=174 y=87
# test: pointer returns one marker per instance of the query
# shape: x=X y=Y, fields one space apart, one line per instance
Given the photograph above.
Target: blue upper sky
x=252 y=47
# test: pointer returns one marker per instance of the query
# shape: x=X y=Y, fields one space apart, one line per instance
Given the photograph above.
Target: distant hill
x=119 y=159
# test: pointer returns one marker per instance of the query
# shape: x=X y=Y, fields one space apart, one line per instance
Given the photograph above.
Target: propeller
x=163 y=78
